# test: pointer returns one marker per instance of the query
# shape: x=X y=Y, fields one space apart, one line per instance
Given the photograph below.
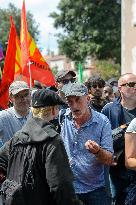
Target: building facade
x=128 y=36
x=60 y=62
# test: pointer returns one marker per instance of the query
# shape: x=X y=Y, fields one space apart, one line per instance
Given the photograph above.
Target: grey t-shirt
x=132 y=126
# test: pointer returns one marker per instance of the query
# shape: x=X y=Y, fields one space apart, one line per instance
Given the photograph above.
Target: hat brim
x=14 y=92
x=75 y=94
x=72 y=73
x=64 y=73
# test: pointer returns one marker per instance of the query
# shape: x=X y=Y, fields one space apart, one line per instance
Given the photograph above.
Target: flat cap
x=44 y=98
x=18 y=86
x=63 y=73
x=75 y=89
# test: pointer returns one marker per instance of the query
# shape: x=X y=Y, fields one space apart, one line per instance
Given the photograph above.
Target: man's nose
x=106 y=94
x=74 y=105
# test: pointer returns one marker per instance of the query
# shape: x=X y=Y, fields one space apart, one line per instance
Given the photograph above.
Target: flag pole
x=80 y=72
x=30 y=74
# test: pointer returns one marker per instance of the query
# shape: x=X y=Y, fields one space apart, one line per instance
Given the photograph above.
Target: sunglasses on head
x=66 y=81
x=97 y=85
x=129 y=85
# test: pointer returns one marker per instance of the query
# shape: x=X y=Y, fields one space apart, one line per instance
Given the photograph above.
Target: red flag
x=39 y=68
x=18 y=69
x=9 y=67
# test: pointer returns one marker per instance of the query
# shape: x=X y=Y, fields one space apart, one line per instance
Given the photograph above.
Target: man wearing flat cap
x=13 y=118
x=88 y=141
x=50 y=178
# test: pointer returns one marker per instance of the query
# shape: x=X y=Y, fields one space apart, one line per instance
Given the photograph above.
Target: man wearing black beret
x=38 y=163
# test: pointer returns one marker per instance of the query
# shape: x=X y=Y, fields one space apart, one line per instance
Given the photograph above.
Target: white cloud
x=41 y=10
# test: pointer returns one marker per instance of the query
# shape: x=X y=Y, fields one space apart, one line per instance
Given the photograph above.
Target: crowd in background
x=65 y=136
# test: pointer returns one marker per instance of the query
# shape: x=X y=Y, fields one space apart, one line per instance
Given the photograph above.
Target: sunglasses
x=97 y=85
x=130 y=85
x=18 y=96
x=66 y=81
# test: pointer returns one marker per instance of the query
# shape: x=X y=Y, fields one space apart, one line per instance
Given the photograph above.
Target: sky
x=40 y=10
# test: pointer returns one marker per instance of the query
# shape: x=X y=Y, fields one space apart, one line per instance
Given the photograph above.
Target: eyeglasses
x=97 y=85
x=18 y=96
x=129 y=85
x=66 y=81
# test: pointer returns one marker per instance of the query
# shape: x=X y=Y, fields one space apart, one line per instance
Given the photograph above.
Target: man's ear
x=53 y=110
x=89 y=90
x=88 y=98
x=119 y=88
x=11 y=98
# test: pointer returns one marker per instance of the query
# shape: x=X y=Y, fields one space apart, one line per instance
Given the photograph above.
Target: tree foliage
x=107 y=69
x=5 y=23
x=91 y=27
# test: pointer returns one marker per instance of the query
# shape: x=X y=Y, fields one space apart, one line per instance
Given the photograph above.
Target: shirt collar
x=19 y=116
x=94 y=118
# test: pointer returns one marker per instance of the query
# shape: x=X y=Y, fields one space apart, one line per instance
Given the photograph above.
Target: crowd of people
x=57 y=142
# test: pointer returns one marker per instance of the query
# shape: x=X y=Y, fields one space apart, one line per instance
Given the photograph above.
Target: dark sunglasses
x=22 y=96
x=97 y=85
x=66 y=81
x=129 y=85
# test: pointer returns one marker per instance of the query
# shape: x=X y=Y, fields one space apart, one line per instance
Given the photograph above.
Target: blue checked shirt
x=88 y=171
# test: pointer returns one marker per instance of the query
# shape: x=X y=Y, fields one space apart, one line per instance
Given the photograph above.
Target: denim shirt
x=114 y=112
x=88 y=171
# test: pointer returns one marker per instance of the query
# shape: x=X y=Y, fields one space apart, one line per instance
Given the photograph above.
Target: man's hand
x=104 y=156
x=92 y=146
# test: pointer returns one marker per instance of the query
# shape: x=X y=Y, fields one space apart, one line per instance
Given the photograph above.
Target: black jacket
x=51 y=173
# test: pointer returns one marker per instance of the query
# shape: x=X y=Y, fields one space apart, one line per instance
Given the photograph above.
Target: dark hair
x=94 y=79
x=37 y=84
x=109 y=85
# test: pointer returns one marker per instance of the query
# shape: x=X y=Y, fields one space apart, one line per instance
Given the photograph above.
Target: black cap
x=44 y=97
x=63 y=73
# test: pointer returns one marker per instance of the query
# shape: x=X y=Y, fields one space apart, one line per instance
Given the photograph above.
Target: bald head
x=125 y=78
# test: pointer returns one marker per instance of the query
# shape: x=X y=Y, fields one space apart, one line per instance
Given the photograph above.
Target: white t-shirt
x=132 y=127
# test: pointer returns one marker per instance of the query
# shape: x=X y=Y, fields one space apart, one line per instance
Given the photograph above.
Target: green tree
x=5 y=23
x=90 y=28
x=107 y=69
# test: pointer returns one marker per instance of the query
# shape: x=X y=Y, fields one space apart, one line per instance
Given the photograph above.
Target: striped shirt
x=10 y=123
